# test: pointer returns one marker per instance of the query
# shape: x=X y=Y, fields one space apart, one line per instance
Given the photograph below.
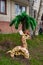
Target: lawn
x=35 y=47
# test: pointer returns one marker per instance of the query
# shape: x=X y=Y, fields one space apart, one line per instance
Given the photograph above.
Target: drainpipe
x=11 y=13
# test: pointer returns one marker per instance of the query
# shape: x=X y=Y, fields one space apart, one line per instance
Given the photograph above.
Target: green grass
x=10 y=37
x=35 y=47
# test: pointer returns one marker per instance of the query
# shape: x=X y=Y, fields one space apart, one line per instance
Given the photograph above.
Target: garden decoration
x=26 y=22
x=19 y=50
x=25 y=36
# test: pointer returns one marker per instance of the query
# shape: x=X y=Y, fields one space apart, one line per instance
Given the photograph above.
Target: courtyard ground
x=35 y=47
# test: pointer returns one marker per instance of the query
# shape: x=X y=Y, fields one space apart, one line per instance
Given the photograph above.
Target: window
x=19 y=9
x=3 y=6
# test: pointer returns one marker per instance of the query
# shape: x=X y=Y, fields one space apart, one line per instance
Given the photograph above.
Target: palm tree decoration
x=26 y=22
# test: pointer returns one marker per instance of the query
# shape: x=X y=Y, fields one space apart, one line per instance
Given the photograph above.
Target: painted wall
x=7 y=16
x=10 y=11
x=36 y=5
x=5 y=19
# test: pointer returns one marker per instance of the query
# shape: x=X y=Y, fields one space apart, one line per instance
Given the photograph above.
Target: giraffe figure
x=21 y=50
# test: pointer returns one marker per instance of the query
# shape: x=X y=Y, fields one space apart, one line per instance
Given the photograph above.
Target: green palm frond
x=33 y=20
x=13 y=21
x=16 y=21
x=32 y=25
x=29 y=21
x=25 y=20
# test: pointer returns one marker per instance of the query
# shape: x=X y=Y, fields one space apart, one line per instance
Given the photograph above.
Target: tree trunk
x=26 y=32
x=23 y=25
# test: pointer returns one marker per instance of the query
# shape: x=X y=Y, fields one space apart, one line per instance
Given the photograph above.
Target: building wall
x=6 y=19
x=6 y=29
x=41 y=12
x=31 y=11
x=12 y=7
x=10 y=11
x=36 y=5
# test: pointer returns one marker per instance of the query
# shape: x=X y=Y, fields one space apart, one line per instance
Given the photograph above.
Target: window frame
x=5 y=8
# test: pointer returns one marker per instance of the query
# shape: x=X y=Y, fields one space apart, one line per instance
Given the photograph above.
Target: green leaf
x=32 y=25
x=34 y=21
x=24 y=19
x=13 y=21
